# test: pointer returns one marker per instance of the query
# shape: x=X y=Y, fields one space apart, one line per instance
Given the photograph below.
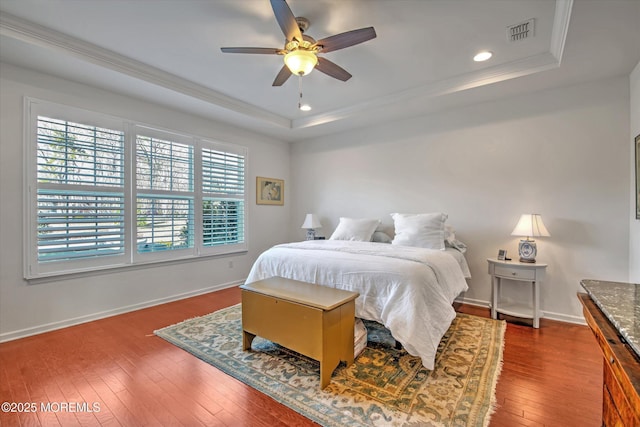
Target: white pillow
x=355 y=229
x=420 y=230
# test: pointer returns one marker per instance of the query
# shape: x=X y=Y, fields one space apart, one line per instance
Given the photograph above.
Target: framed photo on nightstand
x=502 y=254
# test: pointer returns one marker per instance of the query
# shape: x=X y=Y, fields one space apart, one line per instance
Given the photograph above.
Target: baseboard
x=566 y=318
x=48 y=327
x=471 y=301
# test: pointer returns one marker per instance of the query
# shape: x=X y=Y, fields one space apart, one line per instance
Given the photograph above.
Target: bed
x=408 y=289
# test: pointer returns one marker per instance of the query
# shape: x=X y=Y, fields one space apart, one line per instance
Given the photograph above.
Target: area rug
x=384 y=387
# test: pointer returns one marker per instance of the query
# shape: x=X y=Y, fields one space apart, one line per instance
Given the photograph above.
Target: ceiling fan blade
x=259 y=50
x=332 y=69
x=286 y=19
x=282 y=76
x=350 y=38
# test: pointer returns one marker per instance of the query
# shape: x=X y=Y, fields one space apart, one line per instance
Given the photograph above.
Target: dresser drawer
x=619 y=408
x=610 y=415
x=515 y=273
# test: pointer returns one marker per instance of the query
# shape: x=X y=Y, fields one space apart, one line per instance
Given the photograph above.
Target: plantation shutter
x=223 y=197
x=165 y=197
x=80 y=191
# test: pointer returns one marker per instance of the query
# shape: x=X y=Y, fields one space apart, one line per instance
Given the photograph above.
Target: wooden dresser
x=621 y=369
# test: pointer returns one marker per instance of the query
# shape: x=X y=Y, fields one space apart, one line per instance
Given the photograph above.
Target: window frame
x=35 y=269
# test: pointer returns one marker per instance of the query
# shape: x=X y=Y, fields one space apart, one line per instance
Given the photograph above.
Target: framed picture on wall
x=638 y=177
x=269 y=191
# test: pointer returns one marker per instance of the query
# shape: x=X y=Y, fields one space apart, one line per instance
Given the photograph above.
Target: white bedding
x=409 y=290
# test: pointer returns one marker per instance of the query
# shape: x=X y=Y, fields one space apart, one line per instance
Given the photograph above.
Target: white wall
x=561 y=153
x=474 y=163
x=634 y=226
x=29 y=308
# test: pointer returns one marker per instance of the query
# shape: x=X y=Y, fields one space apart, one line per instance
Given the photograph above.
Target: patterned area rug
x=384 y=387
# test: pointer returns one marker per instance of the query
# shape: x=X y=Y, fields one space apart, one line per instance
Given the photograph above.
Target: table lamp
x=311 y=222
x=529 y=225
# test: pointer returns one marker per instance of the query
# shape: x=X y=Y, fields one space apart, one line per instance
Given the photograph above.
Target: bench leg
x=347 y=321
x=247 y=339
x=326 y=369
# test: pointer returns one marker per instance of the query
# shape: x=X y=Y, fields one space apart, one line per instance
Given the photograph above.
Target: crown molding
x=29 y=32
x=560 y=29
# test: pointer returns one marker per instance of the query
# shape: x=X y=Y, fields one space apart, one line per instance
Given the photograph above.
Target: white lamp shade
x=311 y=221
x=530 y=225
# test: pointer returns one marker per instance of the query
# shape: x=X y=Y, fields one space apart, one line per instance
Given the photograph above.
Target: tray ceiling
x=421 y=61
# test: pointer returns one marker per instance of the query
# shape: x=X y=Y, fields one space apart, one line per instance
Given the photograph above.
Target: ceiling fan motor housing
x=303 y=23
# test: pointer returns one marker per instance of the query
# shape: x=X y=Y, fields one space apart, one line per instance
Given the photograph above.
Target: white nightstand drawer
x=516 y=273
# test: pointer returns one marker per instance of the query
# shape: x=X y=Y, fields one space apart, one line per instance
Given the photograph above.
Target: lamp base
x=311 y=234
x=527 y=250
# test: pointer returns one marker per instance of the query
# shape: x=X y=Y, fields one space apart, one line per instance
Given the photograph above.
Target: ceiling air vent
x=521 y=31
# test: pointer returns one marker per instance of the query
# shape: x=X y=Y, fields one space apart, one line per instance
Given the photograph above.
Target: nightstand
x=519 y=272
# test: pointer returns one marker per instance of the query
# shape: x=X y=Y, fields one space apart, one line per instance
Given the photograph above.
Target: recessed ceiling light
x=482 y=56
x=305 y=107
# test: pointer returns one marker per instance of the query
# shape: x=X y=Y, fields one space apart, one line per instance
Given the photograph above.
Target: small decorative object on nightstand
x=311 y=222
x=520 y=272
x=529 y=225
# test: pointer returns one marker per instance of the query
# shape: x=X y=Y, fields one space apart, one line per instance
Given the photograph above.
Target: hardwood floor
x=551 y=376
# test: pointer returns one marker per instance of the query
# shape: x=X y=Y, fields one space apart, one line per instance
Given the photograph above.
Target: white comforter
x=409 y=290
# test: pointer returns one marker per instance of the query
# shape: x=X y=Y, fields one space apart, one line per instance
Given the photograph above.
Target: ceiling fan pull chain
x=300 y=90
x=301 y=106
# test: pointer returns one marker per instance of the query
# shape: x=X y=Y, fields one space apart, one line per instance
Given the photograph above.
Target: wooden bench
x=313 y=320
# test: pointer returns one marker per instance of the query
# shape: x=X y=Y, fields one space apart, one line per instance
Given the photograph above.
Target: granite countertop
x=620 y=302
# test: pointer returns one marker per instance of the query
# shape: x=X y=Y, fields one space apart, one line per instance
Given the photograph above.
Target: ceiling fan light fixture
x=300 y=62
x=304 y=107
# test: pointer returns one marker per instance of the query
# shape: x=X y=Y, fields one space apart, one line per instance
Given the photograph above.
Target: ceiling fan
x=301 y=51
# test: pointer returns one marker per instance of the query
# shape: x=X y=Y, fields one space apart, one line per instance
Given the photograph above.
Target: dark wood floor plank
x=551 y=376
x=181 y=379
x=110 y=401
x=36 y=369
x=103 y=413
x=20 y=394
x=6 y=417
x=144 y=409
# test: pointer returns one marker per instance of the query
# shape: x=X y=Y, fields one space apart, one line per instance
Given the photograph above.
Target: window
x=102 y=192
x=80 y=195
x=164 y=194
